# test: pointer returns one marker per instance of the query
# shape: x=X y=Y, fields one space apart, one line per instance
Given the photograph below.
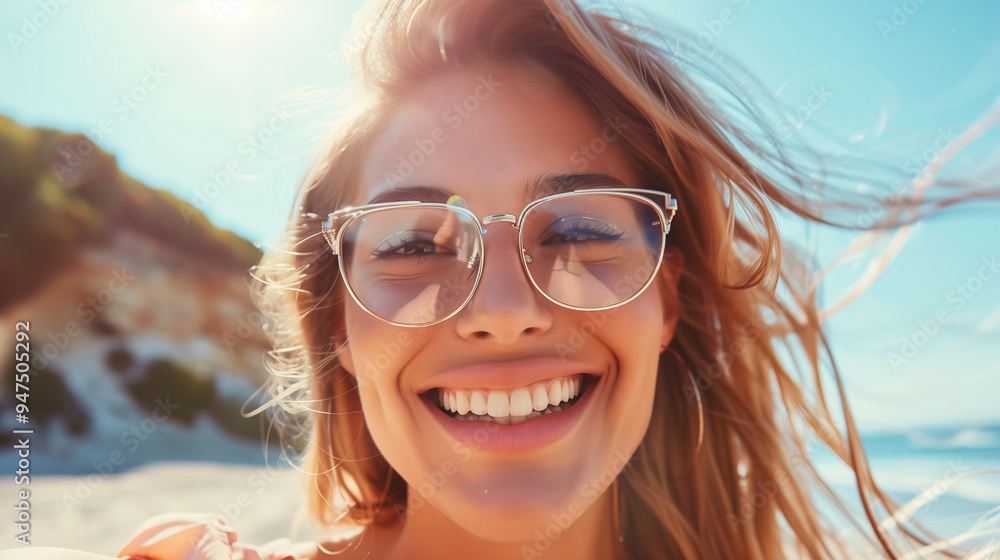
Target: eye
x=579 y=229
x=406 y=244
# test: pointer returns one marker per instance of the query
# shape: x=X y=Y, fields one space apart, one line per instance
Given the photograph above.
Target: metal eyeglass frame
x=336 y=222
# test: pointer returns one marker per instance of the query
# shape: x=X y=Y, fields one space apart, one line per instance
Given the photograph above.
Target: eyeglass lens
x=418 y=264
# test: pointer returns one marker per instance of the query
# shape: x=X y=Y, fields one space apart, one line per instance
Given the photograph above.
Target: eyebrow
x=406 y=193
x=536 y=188
x=554 y=184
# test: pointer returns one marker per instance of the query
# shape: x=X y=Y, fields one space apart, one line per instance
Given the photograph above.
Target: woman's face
x=485 y=137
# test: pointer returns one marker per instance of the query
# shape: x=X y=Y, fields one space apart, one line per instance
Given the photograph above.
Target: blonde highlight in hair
x=748 y=348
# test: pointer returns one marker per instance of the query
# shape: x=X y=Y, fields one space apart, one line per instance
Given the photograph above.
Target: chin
x=522 y=511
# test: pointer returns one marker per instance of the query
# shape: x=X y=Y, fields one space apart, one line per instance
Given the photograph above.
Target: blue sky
x=198 y=83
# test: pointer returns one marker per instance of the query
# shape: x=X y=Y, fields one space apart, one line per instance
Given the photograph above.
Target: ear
x=670 y=276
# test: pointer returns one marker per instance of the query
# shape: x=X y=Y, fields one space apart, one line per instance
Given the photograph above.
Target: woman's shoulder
x=204 y=537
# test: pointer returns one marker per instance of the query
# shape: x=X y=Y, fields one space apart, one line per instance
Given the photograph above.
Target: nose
x=506 y=307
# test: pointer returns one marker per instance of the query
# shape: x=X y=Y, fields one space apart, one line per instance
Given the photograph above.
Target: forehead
x=489 y=136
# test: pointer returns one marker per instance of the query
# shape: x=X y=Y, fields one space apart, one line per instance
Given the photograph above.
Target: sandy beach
x=63 y=514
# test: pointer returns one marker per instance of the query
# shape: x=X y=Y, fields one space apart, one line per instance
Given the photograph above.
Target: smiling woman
x=482 y=386
x=533 y=302
x=536 y=232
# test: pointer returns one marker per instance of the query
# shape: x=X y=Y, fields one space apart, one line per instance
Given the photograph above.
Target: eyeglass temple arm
x=669 y=211
x=669 y=203
x=331 y=226
x=327 y=229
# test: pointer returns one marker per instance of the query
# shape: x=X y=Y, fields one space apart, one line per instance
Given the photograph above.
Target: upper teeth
x=519 y=402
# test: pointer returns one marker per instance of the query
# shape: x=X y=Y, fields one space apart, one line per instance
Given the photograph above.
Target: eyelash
x=600 y=230
x=402 y=241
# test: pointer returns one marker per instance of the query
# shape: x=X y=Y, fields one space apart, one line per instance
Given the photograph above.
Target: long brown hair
x=724 y=469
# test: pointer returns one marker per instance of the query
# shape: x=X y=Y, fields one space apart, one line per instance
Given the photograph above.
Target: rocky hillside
x=143 y=339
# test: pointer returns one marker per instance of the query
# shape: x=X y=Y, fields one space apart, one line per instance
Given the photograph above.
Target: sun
x=230 y=12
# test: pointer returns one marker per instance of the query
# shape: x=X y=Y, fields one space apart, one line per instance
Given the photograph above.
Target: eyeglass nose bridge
x=510 y=219
x=493 y=218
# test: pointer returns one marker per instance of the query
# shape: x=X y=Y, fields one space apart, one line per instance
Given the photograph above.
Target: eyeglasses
x=415 y=264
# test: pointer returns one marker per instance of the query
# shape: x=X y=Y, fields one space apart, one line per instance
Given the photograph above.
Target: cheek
x=634 y=335
x=379 y=353
x=636 y=328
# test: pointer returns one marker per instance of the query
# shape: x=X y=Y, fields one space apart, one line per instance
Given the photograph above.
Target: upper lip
x=505 y=376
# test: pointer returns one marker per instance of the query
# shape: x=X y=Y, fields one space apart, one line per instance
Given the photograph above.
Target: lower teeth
x=505 y=420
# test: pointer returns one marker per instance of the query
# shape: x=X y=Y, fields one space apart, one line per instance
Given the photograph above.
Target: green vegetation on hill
x=174 y=390
x=59 y=191
x=169 y=390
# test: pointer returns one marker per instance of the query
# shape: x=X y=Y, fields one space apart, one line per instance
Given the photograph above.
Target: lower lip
x=530 y=435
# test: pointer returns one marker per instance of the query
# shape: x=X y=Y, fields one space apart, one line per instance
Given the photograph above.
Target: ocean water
x=947 y=478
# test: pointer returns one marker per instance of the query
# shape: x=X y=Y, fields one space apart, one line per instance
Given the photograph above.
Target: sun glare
x=231 y=12
x=235 y=22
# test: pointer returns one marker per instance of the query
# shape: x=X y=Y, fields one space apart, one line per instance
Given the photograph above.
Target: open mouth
x=511 y=407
